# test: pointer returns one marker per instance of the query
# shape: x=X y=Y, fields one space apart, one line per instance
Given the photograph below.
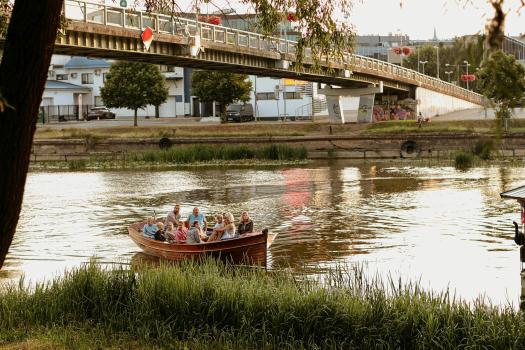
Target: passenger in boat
x=180 y=233
x=173 y=216
x=159 y=235
x=170 y=233
x=225 y=232
x=246 y=224
x=195 y=234
x=150 y=228
x=197 y=216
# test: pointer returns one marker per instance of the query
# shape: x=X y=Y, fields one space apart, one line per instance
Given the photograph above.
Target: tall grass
x=212 y=304
x=207 y=153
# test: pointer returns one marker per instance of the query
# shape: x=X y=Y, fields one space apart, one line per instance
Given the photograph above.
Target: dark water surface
x=443 y=227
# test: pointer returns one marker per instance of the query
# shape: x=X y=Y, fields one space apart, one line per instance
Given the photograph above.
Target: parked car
x=99 y=113
x=240 y=112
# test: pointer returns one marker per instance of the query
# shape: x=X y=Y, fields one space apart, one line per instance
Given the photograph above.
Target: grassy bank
x=274 y=129
x=191 y=155
x=213 y=306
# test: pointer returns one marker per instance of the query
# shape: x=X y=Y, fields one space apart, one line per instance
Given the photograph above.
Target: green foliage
x=502 y=79
x=223 y=87
x=483 y=149
x=210 y=303
x=463 y=160
x=470 y=49
x=133 y=85
x=207 y=153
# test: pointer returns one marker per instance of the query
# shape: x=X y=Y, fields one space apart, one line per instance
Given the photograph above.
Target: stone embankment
x=399 y=146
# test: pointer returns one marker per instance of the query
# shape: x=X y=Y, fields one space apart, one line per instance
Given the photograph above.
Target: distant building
x=76 y=81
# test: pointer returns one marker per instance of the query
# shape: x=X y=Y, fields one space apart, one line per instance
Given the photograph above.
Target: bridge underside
x=93 y=40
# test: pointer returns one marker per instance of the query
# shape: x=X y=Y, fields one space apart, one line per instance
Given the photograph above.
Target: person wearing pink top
x=180 y=233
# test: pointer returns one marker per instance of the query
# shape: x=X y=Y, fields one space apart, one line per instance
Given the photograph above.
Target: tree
x=133 y=85
x=26 y=56
x=222 y=87
x=502 y=79
x=469 y=48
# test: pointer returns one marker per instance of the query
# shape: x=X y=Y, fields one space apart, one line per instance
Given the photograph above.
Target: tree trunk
x=27 y=53
x=135 y=118
x=157 y=111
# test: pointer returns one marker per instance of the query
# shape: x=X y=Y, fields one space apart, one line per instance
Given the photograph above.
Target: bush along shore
x=211 y=305
x=191 y=155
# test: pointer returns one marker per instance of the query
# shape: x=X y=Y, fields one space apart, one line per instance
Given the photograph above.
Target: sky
x=418 y=18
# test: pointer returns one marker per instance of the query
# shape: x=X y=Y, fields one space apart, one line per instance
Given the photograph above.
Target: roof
x=516 y=193
x=84 y=62
x=60 y=85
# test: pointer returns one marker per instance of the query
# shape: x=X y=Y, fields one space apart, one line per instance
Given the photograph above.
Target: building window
x=61 y=76
x=178 y=98
x=98 y=101
x=292 y=95
x=87 y=78
x=261 y=96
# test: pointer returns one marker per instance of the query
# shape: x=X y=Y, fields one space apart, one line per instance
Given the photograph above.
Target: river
x=434 y=224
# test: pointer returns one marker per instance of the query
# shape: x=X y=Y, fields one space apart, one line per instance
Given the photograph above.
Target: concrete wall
x=432 y=103
x=432 y=146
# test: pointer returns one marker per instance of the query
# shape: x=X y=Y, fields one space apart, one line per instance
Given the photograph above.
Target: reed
x=464 y=160
x=210 y=305
x=208 y=153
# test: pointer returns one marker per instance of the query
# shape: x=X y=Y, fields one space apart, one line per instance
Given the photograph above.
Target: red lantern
x=214 y=20
x=291 y=17
x=397 y=50
x=468 y=77
x=407 y=51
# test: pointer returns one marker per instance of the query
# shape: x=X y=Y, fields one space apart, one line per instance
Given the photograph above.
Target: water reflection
x=445 y=227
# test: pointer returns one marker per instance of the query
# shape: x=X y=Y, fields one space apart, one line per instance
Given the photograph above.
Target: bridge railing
x=134 y=19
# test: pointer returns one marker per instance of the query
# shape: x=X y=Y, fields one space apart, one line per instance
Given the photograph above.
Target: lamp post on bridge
x=448 y=74
x=467 y=65
x=423 y=64
x=437 y=54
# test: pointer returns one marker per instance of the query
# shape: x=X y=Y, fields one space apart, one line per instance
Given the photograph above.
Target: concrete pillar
x=366 y=103
x=335 y=110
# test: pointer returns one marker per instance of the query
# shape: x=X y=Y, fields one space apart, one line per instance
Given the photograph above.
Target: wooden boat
x=249 y=249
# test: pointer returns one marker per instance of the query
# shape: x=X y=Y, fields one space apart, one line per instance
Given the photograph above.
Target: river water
x=442 y=227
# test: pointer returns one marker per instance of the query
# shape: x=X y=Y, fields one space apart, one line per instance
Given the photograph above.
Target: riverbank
x=200 y=155
x=210 y=305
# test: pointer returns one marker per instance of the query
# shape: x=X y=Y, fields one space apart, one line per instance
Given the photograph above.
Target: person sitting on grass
x=150 y=229
x=159 y=235
x=246 y=224
x=195 y=234
x=180 y=233
x=225 y=232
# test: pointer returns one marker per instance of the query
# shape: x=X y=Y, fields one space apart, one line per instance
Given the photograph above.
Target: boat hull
x=249 y=249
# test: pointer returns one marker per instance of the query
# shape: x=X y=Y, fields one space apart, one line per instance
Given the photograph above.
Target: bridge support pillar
x=336 y=112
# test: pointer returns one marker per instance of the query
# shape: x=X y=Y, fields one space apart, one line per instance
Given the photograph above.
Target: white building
x=74 y=84
x=76 y=81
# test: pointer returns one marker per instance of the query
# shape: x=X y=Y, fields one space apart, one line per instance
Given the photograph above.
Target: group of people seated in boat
x=194 y=229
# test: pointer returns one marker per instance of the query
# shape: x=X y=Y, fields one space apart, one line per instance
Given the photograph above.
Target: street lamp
x=437 y=54
x=423 y=64
x=467 y=65
x=401 y=45
x=448 y=72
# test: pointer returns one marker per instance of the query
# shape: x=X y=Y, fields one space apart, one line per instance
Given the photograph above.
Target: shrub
x=463 y=160
x=483 y=149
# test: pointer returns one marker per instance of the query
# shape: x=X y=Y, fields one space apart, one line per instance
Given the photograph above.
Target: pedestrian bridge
x=105 y=31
